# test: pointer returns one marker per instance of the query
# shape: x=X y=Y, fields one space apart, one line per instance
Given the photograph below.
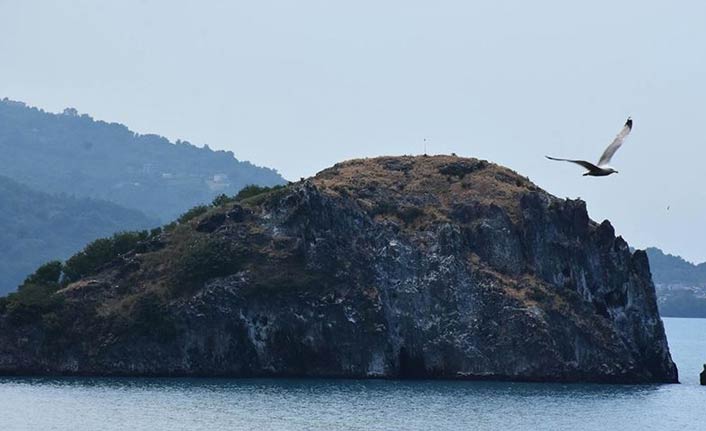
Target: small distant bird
x=602 y=169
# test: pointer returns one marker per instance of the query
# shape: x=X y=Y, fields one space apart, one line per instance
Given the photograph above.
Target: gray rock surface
x=402 y=267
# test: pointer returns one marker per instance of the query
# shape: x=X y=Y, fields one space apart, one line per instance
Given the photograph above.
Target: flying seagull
x=602 y=169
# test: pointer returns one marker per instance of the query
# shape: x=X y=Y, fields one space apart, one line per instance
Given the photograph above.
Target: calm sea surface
x=78 y=404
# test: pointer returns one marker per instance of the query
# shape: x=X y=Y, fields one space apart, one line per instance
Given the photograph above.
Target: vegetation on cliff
x=68 y=179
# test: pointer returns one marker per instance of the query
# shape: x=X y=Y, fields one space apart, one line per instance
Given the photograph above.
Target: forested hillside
x=74 y=154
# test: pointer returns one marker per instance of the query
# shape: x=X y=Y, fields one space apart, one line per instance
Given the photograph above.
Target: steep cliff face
x=389 y=267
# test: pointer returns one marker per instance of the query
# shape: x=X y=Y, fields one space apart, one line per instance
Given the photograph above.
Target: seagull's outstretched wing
x=617 y=142
x=588 y=165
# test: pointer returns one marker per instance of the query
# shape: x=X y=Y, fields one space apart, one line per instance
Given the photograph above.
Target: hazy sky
x=300 y=85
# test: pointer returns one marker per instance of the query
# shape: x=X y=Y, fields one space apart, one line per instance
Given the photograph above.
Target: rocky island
x=393 y=267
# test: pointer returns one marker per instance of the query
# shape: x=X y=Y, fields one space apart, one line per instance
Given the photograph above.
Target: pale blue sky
x=300 y=85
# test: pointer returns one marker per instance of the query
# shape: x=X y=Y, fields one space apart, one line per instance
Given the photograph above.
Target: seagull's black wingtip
x=629 y=123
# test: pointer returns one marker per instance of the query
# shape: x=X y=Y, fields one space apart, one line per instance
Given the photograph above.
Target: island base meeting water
x=90 y=404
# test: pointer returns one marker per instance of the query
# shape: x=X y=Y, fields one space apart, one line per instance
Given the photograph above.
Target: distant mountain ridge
x=74 y=154
x=680 y=285
x=36 y=227
x=673 y=270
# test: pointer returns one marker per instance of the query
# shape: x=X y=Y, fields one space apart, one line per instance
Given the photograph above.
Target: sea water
x=79 y=404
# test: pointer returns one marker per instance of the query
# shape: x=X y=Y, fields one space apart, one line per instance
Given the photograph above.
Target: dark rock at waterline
x=419 y=267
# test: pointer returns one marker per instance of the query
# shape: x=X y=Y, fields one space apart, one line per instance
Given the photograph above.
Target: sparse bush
x=206 y=259
x=221 y=200
x=49 y=273
x=409 y=214
x=31 y=301
x=253 y=190
x=150 y=316
x=192 y=213
x=101 y=252
x=35 y=296
x=382 y=208
x=538 y=294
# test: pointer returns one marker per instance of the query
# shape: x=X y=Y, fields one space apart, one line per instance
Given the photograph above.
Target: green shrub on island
x=252 y=190
x=100 y=252
x=192 y=214
x=247 y=193
x=49 y=273
x=35 y=296
x=204 y=260
x=222 y=200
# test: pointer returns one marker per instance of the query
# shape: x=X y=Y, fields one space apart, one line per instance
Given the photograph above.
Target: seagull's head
x=612 y=171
